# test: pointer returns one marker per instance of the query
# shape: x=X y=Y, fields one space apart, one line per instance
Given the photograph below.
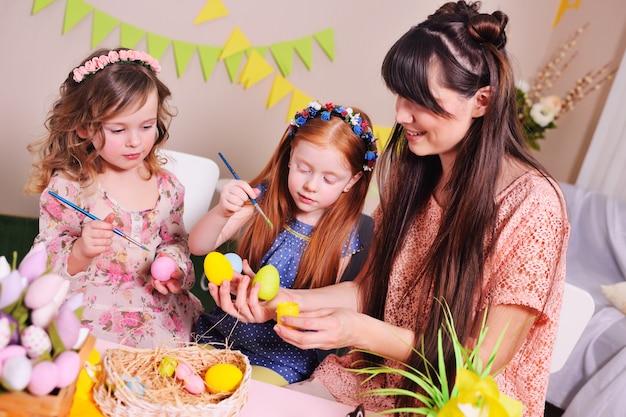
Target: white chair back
x=578 y=307
x=199 y=176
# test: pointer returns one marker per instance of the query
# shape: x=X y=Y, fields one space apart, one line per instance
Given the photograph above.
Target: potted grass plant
x=474 y=393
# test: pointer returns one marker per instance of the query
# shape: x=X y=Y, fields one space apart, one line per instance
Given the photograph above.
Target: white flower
x=544 y=112
x=316 y=105
x=5 y=268
x=523 y=86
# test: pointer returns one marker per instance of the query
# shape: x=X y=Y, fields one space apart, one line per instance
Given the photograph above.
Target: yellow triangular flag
x=304 y=49
x=75 y=11
x=232 y=64
x=211 y=10
x=382 y=133
x=208 y=58
x=157 y=45
x=326 y=41
x=183 y=51
x=280 y=88
x=299 y=100
x=260 y=49
x=283 y=55
x=130 y=36
x=103 y=25
x=40 y=4
x=237 y=42
x=255 y=70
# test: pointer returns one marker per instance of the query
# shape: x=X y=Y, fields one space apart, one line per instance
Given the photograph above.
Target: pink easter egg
x=68 y=364
x=183 y=370
x=194 y=384
x=163 y=267
x=43 y=378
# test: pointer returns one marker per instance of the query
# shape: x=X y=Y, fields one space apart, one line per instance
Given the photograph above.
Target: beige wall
x=218 y=115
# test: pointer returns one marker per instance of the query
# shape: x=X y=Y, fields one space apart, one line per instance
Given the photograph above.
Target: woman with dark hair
x=466 y=216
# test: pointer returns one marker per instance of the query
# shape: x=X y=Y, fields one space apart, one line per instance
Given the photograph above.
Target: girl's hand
x=96 y=238
x=235 y=193
x=329 y=328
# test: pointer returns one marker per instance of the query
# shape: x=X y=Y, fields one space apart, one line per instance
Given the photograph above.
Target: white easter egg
x=16 y=373
x=235 y=261
x=43 y=378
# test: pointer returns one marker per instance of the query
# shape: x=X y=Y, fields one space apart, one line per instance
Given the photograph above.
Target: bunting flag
x=183 y=51
x=232 y=52
x=103 y=25
x=211 y=10
x=563 y=6
x=236 y=43
x=40 y=4
x=130 y=36
x=75 y=11
x=280 y=88
x=382 y=133
x=299 y=100
x=208 y=58
x=326 y=41
x=255 y=70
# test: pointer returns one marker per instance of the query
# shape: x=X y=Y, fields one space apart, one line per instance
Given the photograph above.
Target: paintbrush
x=253 y=200
x=92 y=217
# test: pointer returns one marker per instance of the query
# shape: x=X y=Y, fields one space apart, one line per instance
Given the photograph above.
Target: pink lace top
x=120 y=304
x=527 y=268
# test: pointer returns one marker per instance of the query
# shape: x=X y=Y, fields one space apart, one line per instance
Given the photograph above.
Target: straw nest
x=130 y=383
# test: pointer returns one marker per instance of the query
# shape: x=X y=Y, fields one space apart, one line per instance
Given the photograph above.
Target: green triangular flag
x=283 y=55
x=157 y=45
x=208 y=58
x=232 y=64
x=183 y=51
x=326 y=41
x=103 y=25
x=75 y=11
x=260 y=49
x=130 y=36
x=304 y=49
x=40 y=4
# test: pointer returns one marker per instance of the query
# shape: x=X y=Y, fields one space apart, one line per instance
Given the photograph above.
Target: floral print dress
x=120 y=304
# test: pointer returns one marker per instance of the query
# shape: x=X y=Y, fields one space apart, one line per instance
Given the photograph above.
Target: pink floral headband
x=123 y=56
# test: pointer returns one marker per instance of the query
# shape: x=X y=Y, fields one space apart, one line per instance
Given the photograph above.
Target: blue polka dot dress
x=259 y=341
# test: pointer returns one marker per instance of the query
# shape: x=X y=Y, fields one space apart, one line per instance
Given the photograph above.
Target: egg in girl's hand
x=217 y=268
x=235 y=260
x=162 y=268
x=269 y=281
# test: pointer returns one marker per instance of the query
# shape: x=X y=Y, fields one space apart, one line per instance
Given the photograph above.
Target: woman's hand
x=241 y=300
x=329 y=328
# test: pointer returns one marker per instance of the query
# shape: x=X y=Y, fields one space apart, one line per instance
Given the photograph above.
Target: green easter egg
x=269 y=279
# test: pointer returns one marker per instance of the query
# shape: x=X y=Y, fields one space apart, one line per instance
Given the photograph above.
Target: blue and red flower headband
x=355 y=121
x=123 y=56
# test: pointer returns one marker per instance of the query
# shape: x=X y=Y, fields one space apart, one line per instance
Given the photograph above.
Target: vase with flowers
x=537 y=109
x=474 y=392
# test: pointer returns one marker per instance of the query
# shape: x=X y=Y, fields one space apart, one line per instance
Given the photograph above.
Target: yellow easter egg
x=217 y=268
x=269 y=280
x=223 y=377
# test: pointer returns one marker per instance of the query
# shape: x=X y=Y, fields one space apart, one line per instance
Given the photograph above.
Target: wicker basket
x=165 y=396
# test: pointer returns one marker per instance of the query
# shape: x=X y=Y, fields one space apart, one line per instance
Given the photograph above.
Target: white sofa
x=593 y=378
